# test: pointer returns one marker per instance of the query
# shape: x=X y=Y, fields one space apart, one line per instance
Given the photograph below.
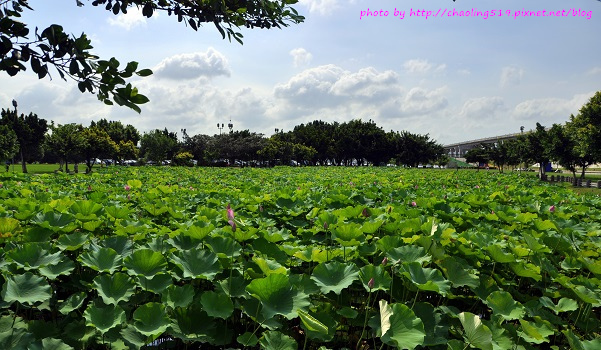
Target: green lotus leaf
x=247 y=339
x=85 y=210
x=475 y=333
x=405 y=330
x=104 y=317
x=192 y=323
x=216 y=304
x=101 y=260
x=577 y=344
x=269 y=266
x=435 y=327
x=197 y=263
x=49 y=344
x=318 y=326
x=9 y=225
x=334 y=276
x=145 y=262
x=32 y=256
x=157 y=283
x=274 y=340
x=133 y=338
x=73 y=302
x=114 y=288
x=526 y=270
x=18 y=339
x=277 y=296
x=155 y=209
x=380 y=276
x=122 y=245
x=499 y=255
x=92 y=226
x=458 y=273
x=536 y=332
x=426 y=278
x=72 y=241
x=183 y=242
x=134 y=183
x=502 y=304
x=348 y=234
x=118 y=212
x=408 y=254
x=55 y=221
x=26 y=289
x=269 y=249
x=178 y=296
x=347 y=312
x=64 y=267
x=224 y=247
x=564 y=304
x=150 y=319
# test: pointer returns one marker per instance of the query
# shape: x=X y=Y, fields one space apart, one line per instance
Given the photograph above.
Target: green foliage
x=318 y=255
x=9 y=145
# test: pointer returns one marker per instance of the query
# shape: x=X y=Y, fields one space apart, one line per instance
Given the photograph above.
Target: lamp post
x=14 y=124
x=230 y=126
x=220 y=127
x=521 y=153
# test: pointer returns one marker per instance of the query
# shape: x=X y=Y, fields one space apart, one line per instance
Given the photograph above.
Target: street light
x=231 y=126
x=220 y=128
x=14 y=124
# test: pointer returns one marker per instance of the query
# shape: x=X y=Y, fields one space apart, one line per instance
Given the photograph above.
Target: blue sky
x=455 y=78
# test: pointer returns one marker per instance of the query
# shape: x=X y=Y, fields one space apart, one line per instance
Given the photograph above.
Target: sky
x=456 y=78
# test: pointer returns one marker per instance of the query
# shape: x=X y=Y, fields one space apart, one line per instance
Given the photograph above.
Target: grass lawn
x=44 y=168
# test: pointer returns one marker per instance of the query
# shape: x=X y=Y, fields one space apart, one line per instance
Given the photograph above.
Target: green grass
x=43 y=168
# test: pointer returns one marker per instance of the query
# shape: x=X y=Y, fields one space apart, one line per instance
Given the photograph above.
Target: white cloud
x=550 y=110
x=330 y=85
x=132 y=19
x=482 y=108
x=419 y=101
x=193 y=65
x=595 y=70
x=422 y=66
x=323 y=7
x=301 y=57
x=511 y=76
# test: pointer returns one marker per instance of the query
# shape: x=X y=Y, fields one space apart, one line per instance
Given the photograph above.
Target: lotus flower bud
x=371 y=283
x=552 y=208
x=385 y=261
x=365 y=213
x=413 y=204
x=325 y=225
x=126 y=187
x=230 y=213
x=232 y=224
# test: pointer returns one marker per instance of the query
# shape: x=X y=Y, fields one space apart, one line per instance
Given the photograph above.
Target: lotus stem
x=365 y=321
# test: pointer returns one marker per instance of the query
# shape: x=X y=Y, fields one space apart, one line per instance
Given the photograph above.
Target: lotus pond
x=297 y=258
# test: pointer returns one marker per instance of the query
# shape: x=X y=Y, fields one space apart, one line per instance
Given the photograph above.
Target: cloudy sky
x=455 y=78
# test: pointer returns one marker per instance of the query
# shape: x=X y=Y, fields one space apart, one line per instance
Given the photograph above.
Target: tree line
x=574 y=145
x=28 y=138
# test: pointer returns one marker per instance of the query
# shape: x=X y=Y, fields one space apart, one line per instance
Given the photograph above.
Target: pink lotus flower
x=128 y=197
x=230 y=213
x=492 y=212
x=233 y=224
x=89 y=187
x=477 y=186
x=552 y=208
x=371 y=283
x=416 y=187
x=413 y=204
x=127 y=188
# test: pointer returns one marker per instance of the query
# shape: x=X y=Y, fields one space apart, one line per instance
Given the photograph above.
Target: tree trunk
x=66 y=166
x=23 y=165
x=583 y=170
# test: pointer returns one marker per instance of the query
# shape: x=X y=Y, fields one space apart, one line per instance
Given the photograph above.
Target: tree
x=498 y=153
x=563 y=148
x=585 y=129
x=158 y=145
x=478 y=155
x=538 y=147
x=413 y=149
x=9 y=145
x=98 y=144
x=30 y=131
x=67 y=142
x=72 y=58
